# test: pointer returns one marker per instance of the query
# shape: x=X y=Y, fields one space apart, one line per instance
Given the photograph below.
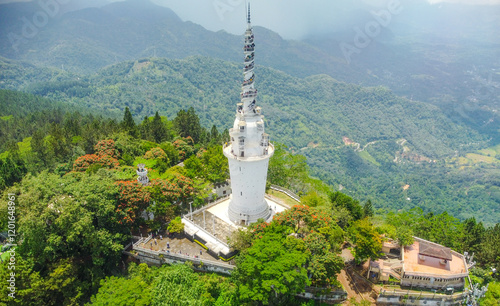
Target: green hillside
x=397 y=141
x=454 y=66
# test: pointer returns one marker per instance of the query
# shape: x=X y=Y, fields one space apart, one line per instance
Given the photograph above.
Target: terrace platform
x=211 y=226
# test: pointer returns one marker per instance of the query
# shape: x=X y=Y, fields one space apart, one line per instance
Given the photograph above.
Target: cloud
x=471 y=2
x=9 y=1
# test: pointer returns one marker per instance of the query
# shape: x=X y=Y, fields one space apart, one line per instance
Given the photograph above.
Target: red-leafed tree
x=179 y=189
x=106 y=147
x=105 y=156
x=298 y=247
x=132 y=199
x=82 y=163
x=184 y=146
x=296 y=217
x=156 y=153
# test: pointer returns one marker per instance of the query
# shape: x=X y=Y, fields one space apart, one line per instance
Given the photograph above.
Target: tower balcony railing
x=141 y=172
x=248 y=82
x=248 y=67
x=249 y=94
x=249 y=48
x=249 y=58
x=267 y=152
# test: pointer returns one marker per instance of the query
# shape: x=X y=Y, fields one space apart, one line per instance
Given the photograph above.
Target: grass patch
x=478 y=158
x=366 y=156
x=7 y=118
x=491 y=151
x=5 y=256
x=286 y=199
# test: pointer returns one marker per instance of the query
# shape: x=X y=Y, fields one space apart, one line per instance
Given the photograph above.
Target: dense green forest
x=393 y=142
x=72 y=178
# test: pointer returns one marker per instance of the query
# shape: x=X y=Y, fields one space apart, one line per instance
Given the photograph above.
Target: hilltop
x=411 y=143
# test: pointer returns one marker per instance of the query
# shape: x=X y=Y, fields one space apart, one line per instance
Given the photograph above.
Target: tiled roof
x=434 y=250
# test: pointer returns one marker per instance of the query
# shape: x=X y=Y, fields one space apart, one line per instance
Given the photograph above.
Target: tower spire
x=248 y=17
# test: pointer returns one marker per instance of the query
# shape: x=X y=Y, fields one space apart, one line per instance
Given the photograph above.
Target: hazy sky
x=289 y=18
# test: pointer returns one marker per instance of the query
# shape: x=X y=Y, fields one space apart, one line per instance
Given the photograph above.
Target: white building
x=249 y=149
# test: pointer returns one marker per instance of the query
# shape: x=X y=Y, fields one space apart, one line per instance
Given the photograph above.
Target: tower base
x=260 y=211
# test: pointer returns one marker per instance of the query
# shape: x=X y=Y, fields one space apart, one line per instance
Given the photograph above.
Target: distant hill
x=400 y=141
x=317 y=107
x=88 y=39
x=426 y=53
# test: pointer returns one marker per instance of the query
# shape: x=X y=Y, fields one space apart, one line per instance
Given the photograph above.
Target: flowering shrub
x=296 y=217
x=183 y=147
x=82 y=163
x=105 y=156
x=106 y=147
x=178 y=189
x=156 y=153
x=108 y=161
x=132 y=198
x=258 y=229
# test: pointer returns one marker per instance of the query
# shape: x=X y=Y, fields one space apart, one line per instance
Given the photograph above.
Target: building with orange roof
x=423 y=264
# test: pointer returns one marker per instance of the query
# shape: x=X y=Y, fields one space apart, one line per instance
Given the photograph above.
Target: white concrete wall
x=248 y=183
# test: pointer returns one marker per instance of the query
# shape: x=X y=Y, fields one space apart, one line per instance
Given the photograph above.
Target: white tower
x=142 y=172
x=249 y=149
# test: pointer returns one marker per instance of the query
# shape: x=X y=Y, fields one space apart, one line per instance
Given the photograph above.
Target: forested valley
x=366 y=141
x=77 y=201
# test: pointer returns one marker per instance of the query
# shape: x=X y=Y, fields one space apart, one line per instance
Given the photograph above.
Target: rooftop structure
x=211 y=225
x=423 y=264
x=428 y=259
x=434 y=250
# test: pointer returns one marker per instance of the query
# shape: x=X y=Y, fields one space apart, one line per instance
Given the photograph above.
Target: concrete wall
x=248 y=183
x=159 y=258
x=432 y=282
x=332 y=297
x=402 y=298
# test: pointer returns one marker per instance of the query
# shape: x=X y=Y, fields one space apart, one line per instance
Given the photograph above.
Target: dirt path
x=349 y=287
x=355 y=285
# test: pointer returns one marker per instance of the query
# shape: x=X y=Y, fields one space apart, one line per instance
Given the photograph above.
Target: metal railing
x=286 y=191
x=206 y=232
x=209 y=205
